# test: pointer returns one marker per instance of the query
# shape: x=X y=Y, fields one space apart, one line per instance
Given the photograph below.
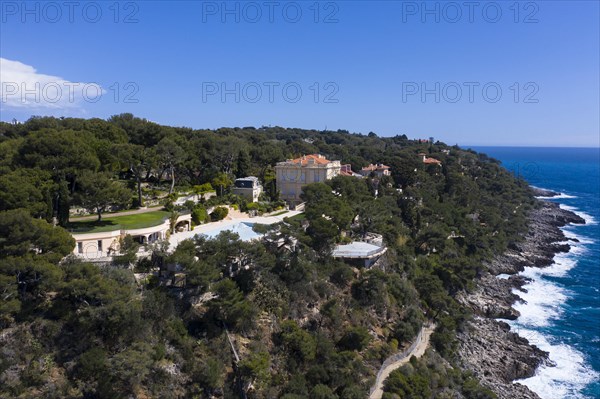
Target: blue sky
x=499 y=73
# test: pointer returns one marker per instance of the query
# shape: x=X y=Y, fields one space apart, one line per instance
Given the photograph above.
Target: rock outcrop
x=487 y=347
x=542 y=192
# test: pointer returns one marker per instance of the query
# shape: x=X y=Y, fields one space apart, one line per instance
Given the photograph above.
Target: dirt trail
x=417 y=351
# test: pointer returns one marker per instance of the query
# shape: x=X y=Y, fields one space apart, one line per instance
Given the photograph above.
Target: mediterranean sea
x=561 y=312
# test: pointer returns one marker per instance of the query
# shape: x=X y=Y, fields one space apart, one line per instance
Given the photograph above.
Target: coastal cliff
x=487 y=347
x=276 y=317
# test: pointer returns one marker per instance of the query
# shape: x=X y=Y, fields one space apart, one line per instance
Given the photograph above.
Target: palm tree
x=222 y=180
x=173 y=220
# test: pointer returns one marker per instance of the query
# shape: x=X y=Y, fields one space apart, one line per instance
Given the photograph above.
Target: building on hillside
x=293 y=174
x=248 y=187
x=359 y=253
x=379 y=170
x=346 y=170
x=430 y=161
x=102 y=245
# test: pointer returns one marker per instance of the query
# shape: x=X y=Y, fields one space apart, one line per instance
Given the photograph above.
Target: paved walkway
x=418 y=351
x=239 y=217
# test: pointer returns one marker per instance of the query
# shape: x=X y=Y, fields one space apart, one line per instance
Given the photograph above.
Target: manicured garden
x=110 y=223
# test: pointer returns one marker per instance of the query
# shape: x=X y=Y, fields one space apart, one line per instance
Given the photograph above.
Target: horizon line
x=327 y=130
x=530 y=146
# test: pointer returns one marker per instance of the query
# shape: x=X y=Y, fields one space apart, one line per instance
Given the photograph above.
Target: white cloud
x=22 y=87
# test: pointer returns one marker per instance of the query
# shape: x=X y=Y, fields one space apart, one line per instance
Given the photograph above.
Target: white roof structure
x=242 y=229
x=358 y=250
x=210 y=228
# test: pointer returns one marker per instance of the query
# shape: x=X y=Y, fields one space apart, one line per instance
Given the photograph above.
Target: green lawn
x=104 y=215
x=110 y=223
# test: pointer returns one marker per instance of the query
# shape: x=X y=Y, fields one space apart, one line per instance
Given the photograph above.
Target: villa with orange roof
x=379 y=170
x=293 y=174
x=427 y=160
x=346 y=170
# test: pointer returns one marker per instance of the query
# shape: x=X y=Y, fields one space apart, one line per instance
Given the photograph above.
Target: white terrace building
x=97 y=245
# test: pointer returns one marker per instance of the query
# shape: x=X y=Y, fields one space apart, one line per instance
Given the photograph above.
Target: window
x=99 y=245
x=79 y=247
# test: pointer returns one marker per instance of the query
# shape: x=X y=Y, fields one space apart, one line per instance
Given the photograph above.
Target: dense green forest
x=304 y=325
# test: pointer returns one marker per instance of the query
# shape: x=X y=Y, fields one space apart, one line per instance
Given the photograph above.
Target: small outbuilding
x=359 y=253
x=248 y=187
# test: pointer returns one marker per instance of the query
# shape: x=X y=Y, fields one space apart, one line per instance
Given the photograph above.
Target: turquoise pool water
x=242 y=229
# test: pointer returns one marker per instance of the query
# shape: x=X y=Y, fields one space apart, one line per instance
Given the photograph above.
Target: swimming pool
x=243 y=229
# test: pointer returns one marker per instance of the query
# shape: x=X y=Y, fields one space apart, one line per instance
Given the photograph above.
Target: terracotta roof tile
x=318 y=159
x=431 y=160
x=375 y=167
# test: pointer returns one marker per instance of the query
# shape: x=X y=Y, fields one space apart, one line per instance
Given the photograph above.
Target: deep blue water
x=562 y=313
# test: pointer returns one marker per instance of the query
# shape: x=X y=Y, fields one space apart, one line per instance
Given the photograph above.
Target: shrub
x=299 y=343
x=356 y=338
x=169 y=206
x=219 y=213
x=189 y=205
x=342 y=276
x=125 y=260
x=261 y=228
x=321 y=391
x=128 y=243
x=92 y=363
x=473 y=390
x=135 y=203
x=408 y=328
x=143 y=265
x=200 y=215
x=256 y=367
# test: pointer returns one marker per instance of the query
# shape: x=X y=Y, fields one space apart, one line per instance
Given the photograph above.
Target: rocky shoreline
x=487 y=347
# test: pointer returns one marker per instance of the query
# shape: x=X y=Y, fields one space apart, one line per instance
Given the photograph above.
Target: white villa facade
x=292 y=175
x=104 y=244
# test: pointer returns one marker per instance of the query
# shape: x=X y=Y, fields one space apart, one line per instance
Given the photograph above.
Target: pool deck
x=176 y=238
